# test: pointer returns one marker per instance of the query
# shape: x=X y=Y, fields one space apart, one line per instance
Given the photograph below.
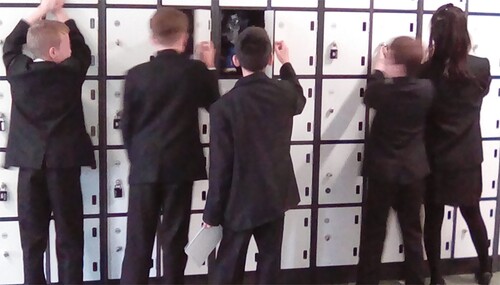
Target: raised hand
x=282 y=52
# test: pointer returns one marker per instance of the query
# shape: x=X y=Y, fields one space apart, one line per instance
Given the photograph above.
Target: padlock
x=118 y=189
x=117 y=120
x=2 y=122
x=334 y=51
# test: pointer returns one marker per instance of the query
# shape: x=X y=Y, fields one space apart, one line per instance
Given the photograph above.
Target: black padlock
x=334 y=51
x=118 y=189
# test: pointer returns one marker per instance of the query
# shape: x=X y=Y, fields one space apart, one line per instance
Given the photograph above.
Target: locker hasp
x=3 y=192
x=118 y=189
x=2 y=123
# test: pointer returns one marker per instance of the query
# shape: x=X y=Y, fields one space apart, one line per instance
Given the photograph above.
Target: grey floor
x=452 y=280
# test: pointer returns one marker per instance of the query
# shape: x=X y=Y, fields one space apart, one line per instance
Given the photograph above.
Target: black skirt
x=455 y=188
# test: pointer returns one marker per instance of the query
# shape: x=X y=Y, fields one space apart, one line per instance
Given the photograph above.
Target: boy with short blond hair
x=47 y=139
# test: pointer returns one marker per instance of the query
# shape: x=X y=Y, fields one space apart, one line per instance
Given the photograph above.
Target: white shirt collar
x=38 y=60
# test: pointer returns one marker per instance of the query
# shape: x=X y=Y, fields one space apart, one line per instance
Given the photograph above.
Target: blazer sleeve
x=126 y=123
x=221 y=166
x=287 y=73
x=485 y=77
x=208 y=87
x=80 y=51
x=13 y=47
x=374 y=95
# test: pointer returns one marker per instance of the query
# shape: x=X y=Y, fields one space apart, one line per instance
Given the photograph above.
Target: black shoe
x=437 y=281
x=483 y=278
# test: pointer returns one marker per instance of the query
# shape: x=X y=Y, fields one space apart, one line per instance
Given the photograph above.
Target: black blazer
x=160 y=118
x=453 y=129
x=395 y=147
x=47 y=120
x=252 y=181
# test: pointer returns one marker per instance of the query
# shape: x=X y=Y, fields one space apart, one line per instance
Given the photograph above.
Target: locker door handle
x=118 y=189
x=493 y=184
x=94 y=200
x=360 y=126
x=94 y=266
x=306 y=222
x=308 y=158
x=92 y=60
x=304 y=254
x=204 y=195
x=94 y=232
x=309 y=93
x=92 y=23
x=118 y=249
x=3 y=193
x=204 y=129
x=334 y=51
x=358 y=189
x=492 y=212
x=309 y=127
x=447 y=245
x=362 y=92
x=3 y=126
x=355 y=251
x=449 y=215
x=306 y=192
x=311 y=61
x=92 y=94
x=401 y=248
x=92 y=131
x=495 y=155
x=411 y=27
x=117 y=120
x=359 y=156
x=356 y=220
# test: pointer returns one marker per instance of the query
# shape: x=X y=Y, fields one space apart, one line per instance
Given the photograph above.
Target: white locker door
x=90 y=101
x=195 y=225
x=11 y=254
x=202 y=26
x=226 y=85
x=484 y=6
x=393 y=246
x=303 y=124
x=289 y=24
x=187 y=2
x=243 y=3
x=396 y=5
x=114 y=107
x=491 y=162
x=8 y=184
x=302 y=156
x=91 y=254
x=490 y=117
x=342 y=109
x=251 y=259
x=385 y=29
x=269 y=27
x=354 y=4
x=340 y=174
x=118 y=170
x=296 y=239
x=86 y=20
x=200 y=188
x=117 y=238
x=128 y=42
x=9 y=17
x=433 y=5
x=5 y=107
x=426 y=30
x=463 y=242
x=482 y=44
x=91 y=251
x=132 y=2
x=204 y=122
x=447 y=232
x=295 y=4
x=339 y=232
x=341 y=56
x=89 y=180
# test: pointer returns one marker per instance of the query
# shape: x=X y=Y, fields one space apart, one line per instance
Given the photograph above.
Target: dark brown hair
x=253 y=49
x=408 y=52
x=168 y=25
x=449 y=43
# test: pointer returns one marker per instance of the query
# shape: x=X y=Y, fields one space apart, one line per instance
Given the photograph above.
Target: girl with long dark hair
x=454 y=136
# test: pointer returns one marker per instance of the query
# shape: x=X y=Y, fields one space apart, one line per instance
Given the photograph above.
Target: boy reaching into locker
x=161 y=135
x=47 y=138
x=395 y=158
x=252 y=183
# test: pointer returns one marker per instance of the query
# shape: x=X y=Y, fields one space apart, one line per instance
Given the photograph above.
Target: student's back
x=160 y=123
x=260 y=111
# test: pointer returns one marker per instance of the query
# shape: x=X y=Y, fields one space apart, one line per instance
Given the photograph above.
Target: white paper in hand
x=203 y=244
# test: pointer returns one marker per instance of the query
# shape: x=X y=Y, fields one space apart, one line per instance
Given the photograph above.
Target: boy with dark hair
x=252 y=182
x=395 y=158
x=161 y=135
x=47 y=138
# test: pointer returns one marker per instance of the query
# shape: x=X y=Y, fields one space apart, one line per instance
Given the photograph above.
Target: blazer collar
x=257 y=76
x=167 y=53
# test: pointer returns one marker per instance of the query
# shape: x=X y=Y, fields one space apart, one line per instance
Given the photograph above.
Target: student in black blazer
x=395 y=158
x=161 y=135
x=454 y=136
x=252 y=182
x=47 y=138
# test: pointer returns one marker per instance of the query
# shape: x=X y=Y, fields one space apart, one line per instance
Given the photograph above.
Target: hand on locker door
x=282 y=52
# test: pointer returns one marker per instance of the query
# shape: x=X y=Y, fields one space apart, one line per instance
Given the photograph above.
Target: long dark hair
x=449 y=43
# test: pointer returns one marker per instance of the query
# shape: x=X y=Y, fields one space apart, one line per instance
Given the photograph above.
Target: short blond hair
x=43 y=35
x=168 y=25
